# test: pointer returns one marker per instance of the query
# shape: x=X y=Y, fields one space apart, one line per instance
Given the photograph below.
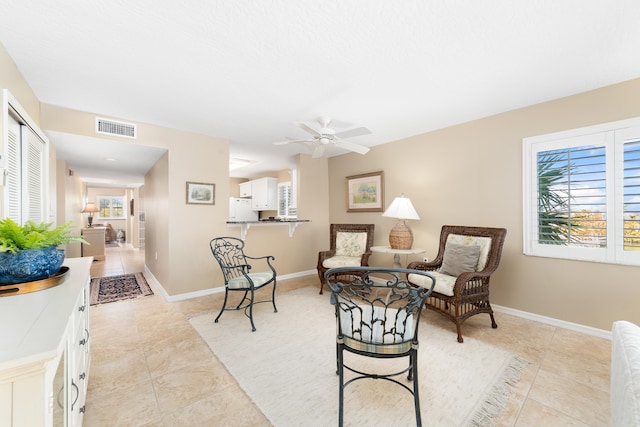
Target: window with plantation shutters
x=286 y=206
x=25 y=153
x=631 y=205
x=581 y=193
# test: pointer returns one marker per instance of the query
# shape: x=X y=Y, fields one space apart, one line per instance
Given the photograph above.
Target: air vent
x=111 y=127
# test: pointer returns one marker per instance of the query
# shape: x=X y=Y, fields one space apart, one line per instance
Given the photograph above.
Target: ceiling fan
x=320 y=139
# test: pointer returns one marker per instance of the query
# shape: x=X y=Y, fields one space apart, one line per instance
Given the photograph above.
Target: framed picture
x=200 y=193
x=365 y=192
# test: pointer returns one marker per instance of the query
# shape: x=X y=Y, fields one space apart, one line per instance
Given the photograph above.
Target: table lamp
x=401 y=236
x=90 y=208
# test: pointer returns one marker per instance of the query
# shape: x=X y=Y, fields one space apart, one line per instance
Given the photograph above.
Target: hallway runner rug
x=118 y=288
x=288 y=368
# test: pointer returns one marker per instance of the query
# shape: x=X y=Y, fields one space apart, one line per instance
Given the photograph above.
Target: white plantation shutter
x=13 y=154
x=33 y=180
x=26 y=161
x=286 y=208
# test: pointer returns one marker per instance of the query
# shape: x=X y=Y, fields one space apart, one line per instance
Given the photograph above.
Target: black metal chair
x=238 y=276
x=377 y=315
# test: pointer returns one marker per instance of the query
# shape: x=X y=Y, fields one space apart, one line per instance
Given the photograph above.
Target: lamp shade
x=401 y=208
x=401 y=236
x=90 y=207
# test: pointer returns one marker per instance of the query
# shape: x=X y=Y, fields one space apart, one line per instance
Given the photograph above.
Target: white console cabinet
x=44 y=352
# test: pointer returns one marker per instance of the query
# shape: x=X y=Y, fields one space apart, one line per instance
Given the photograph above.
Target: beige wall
x=471 y=174
x=12 y=79
x=70 y=190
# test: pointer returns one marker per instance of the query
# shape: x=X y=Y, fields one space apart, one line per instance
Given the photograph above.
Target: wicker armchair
x=350 y=246
x=466 y=258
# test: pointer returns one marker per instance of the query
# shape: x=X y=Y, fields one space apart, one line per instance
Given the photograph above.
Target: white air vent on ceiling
x=111 y=127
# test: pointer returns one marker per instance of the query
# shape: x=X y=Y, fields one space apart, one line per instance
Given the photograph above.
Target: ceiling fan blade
x=292 y=141
x=318 y=151
x=343 y=143
x=308 y=128
x=353 y=133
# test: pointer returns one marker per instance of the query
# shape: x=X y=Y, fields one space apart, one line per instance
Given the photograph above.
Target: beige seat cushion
x=444 y=282
x=342 y=261
x=258 y=279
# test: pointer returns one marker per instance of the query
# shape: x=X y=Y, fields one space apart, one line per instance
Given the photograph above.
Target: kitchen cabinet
x=44 y=355
x=245 y=189
x=264 y=194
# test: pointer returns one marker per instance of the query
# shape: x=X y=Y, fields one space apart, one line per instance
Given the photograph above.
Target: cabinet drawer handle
x=83 y=341
x=81 y=308
x=81 y=410
x=77 y=394
x=82 y=375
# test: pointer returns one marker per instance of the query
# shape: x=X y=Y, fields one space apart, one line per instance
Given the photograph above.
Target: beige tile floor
x=150 y=368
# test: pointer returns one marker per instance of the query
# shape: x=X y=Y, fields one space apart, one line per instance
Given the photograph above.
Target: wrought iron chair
x=377 y=315
x=466 y=258
x=236 y=269
x=350 y=246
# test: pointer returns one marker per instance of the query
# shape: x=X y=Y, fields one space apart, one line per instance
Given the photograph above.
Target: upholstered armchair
x=350 y=246
x=467 y=256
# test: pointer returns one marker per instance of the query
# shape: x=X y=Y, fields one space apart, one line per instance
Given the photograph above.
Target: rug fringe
x=498 y=397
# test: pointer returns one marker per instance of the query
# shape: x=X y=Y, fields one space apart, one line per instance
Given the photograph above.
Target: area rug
x=287 y=367
x=117 y=288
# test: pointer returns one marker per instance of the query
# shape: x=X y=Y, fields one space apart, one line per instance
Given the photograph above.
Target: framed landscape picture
x=200 y=193
x=365 y=192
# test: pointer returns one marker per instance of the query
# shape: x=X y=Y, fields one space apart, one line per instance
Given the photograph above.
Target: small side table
x=396 y=253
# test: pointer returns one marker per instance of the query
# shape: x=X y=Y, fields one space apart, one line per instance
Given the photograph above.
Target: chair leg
x=320 y=276
x=341 y=392
x=459 y=330
x=416 y=394
x=493 y=320
x=224 y=304
x=242 y=300
x=273 y=297
x=253 y=327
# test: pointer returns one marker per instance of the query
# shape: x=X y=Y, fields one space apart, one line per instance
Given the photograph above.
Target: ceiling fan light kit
x=326 y=136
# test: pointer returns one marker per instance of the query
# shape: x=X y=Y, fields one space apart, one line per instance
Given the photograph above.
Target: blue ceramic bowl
x=30 y=265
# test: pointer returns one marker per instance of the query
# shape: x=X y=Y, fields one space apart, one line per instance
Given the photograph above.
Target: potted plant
x=30 y=252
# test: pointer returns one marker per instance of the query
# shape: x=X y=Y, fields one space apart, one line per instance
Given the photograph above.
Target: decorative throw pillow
x=350 y=244
x=459 y=258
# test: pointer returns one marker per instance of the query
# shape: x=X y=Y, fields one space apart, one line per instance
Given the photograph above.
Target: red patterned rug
x=117 y=288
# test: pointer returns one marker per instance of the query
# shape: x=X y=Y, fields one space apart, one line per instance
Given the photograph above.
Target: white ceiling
x=245 y=70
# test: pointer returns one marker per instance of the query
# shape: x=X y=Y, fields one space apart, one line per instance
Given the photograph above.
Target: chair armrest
x=424 y=266
x=322 y=255
x=267 y=258
x=364 y=259
x=468 y=279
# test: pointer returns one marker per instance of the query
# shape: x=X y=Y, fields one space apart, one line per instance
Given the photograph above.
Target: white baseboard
x=554 y=322
x=219 y=289
x=498 y=308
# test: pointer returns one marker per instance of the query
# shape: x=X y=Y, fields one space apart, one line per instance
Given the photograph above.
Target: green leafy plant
x=31 y=235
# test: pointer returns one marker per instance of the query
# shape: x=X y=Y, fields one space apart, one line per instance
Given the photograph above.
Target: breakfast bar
x=245 y=225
